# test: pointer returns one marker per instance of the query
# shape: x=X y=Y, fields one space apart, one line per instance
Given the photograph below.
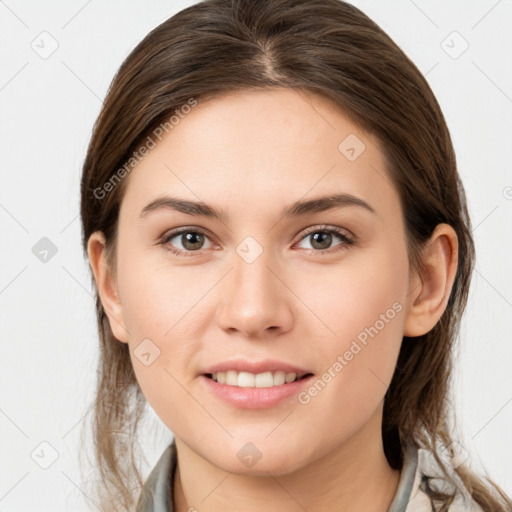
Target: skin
x=252 y=154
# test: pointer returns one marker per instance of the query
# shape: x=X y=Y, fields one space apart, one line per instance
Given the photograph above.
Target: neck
x=353 y=476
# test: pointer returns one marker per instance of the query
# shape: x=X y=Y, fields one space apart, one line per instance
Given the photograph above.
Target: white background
x=48 y=327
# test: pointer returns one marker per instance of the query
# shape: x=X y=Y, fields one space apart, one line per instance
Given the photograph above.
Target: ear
x=106 y=284
x=429 y=291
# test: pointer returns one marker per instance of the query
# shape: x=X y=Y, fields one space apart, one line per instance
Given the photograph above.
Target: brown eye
x=321 y=239
x=192 y=241
x=187 y=241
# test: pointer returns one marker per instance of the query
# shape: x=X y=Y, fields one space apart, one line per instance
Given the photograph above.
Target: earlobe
x=106 y=284
x=429 y=291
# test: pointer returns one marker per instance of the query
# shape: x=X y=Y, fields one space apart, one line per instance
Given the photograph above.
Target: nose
x=255 y=300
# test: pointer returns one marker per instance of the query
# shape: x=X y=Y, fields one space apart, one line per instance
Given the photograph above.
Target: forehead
x=255 y=148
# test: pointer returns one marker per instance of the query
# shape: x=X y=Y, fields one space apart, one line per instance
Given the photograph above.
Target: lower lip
x=255 y=398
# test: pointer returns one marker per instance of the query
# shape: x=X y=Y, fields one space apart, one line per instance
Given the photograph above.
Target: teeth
x=290 y=377
x=231 y=378
x=251 y=380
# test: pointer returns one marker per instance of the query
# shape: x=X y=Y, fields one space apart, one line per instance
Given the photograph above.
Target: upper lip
x=242 y=365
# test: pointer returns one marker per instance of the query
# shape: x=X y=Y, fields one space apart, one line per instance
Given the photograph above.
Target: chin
x=254 y=459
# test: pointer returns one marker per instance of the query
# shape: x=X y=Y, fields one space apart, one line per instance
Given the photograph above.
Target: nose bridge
x=251 y=272
x=254 y=298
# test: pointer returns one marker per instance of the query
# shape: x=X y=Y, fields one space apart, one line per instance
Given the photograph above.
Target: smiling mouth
x=261 y=380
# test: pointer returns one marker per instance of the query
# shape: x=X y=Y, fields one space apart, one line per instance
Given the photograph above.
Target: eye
x=191 y=241
x=321 y=238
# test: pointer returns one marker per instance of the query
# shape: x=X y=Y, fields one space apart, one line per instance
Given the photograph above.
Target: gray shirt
x=419 y=472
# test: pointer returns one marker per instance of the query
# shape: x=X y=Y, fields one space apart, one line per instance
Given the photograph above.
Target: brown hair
x=330 y=48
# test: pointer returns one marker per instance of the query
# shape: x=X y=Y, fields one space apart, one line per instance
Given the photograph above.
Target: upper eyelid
x=326 y=227
x=179 y=231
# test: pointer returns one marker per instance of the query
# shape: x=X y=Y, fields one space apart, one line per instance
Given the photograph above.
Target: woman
x=282 y=255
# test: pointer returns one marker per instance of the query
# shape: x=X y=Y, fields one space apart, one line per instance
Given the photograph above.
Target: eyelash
x=347 y=240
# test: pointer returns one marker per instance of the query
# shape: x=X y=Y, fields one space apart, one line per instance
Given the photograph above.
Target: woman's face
x=269 y=284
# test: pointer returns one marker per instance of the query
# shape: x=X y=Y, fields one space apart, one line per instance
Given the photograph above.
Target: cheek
x=161 y=320
x=159 y=313
x=363 y=307
x=157 y=297
x=350 y=297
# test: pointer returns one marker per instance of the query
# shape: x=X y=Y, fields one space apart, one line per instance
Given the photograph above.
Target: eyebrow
x=319 y=204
